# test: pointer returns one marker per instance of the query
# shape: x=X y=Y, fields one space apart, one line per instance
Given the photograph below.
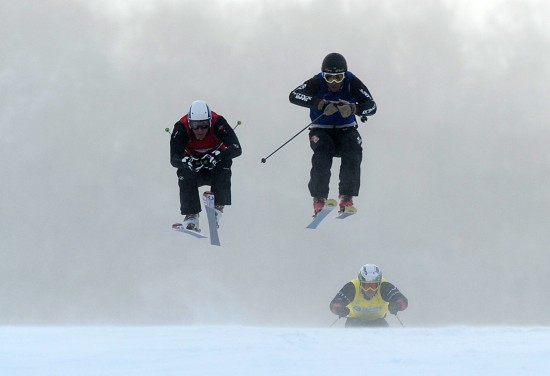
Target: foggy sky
x=455 y=197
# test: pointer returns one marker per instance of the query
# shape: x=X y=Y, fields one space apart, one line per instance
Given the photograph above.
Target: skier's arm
x=344 y=297
x=178 y=141
x=392 y=295
x=227 y=135
x=305 y=94
x=366 y=106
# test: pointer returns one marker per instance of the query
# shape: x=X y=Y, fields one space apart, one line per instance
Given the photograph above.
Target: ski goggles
x=369 y=285
x=199 y=124
x=334 y=77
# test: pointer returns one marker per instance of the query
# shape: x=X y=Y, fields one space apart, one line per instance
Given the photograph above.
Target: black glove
x=209 y=161
x=363 y=116
x=340 y=310
x=343 y=311
x=394 y=307
x=194 y=164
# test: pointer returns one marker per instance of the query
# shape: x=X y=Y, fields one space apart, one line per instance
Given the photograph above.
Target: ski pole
x=331 y=325
x=292 y=138
x=398 y=319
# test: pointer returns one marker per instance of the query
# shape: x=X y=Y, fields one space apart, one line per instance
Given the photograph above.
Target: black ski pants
x=219 y=180
x=328 y=144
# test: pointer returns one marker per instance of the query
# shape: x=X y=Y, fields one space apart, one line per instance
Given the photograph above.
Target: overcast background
x=455 y=197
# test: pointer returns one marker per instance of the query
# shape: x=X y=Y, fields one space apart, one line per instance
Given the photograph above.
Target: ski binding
x=348 y=210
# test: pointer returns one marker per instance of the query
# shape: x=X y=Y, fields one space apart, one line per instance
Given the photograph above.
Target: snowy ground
x=235 y=350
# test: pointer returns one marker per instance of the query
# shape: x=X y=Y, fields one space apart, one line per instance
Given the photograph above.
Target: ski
x=330 y=204
x=208 y=200
x=181 y=228
x=349 y=210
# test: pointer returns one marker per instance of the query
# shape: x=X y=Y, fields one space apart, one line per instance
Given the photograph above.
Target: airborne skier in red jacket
x=202 y=147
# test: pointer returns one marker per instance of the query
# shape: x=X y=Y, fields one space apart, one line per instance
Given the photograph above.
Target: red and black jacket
x=220 y=137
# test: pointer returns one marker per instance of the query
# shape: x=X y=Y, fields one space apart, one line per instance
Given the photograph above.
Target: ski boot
x=318 y=205
x=191 y=222
x=218 y=209
x=345 y=201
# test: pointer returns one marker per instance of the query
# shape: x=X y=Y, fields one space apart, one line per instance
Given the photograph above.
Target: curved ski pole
x=331 y=325
x=292 y=138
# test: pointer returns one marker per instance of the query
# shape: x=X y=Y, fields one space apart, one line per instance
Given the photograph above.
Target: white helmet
x=370 y=273
x=199 y=111
x=369 y=277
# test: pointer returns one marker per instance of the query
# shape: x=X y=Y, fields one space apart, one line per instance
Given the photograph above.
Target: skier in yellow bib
x=367 y=299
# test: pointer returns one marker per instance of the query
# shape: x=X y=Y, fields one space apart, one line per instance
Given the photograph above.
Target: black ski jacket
x=311 y=92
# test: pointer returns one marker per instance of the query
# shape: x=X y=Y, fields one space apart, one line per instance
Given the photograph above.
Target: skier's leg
x=352 y=322
x=378 y=323
x=221 y=183
x=189 y=191
x=351 y=153
x=321 y=162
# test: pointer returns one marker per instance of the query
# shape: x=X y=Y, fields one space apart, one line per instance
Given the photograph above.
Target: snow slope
x=235 y=350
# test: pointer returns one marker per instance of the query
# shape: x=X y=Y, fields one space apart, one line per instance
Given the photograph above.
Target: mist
x=455 y=194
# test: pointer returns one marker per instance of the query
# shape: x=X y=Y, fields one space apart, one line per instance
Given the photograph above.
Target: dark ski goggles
x=199 y=124
x=334 y=77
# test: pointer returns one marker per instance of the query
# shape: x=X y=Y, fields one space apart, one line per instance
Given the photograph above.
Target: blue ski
x=330 y=204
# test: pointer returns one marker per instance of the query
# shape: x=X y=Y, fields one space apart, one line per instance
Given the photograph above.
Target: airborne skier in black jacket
x=334 y=96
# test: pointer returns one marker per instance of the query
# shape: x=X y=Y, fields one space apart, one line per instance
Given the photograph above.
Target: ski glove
x=396 y=306
x=340 y=310
x=346 y=108
x=364 y=116
x=327 y=107
x=194 y=164
x=209 y=161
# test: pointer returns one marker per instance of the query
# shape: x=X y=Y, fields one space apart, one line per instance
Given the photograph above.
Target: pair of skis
x=208 y=200
x=330 y=205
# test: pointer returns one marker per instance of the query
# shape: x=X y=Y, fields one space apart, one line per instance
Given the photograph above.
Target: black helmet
x=334 y=63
